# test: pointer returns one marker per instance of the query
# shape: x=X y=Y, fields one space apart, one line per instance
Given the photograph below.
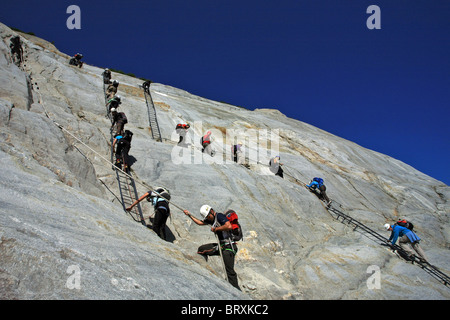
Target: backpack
x=163 y=192
x=236 y=232
x=123 y=117
x=319 y=181
x=406 y=224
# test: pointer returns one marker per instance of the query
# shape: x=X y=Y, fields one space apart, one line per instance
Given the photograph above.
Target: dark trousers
x=159 y=222
x=228 y=259
x=323 y=193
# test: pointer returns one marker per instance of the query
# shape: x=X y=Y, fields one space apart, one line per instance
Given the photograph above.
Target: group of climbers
x=220 y=223
x=205 y=141
x=122 y=138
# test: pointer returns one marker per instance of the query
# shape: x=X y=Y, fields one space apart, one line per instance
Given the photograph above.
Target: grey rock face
x=64 y=235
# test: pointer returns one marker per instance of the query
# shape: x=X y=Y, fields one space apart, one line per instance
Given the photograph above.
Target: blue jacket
x=313 y=184
x=399 y=231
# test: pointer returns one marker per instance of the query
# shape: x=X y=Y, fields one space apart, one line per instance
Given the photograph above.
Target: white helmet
x=387 y=226
x=204 y=210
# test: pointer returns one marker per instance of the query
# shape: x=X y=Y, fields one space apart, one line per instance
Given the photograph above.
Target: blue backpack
x=319 y=181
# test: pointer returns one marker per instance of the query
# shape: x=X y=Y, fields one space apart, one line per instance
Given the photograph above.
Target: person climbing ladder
x=223 y=228
x=319 y=184
x=160 y=201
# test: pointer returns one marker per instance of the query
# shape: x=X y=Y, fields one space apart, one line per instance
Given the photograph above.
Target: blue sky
x=316 y=61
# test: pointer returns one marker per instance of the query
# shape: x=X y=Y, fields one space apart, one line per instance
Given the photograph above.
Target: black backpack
x=405 y=223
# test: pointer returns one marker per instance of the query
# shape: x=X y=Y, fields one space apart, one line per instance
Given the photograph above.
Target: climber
x=222 y=227
x=76 y=60
x=123 y=148
x=160 y=200
x=111 y=90
x=407 y=238
x=236 y=152
x=205 y=141
x=275 y=166
x=146 y=86
x=119 y=120
x=318 y=183
x=115 y=102
x=106 y=76
x=16 y=50
x=181 y=130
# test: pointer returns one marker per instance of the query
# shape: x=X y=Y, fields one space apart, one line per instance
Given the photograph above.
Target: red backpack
x=236 y=232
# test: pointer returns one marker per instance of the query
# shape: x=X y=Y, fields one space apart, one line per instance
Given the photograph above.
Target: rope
x=41 y=100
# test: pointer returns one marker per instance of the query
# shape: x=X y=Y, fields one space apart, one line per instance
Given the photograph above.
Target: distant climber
x=407 y=240
x=76 y=60
x=160 y=201
x=119 y=119
x=275 y=166
x=146 y=86
x=16 y=50
x=222 y=227
x=106 y=76
x=122 y=145
x=319 y=184
x=111 y=90
x=115 y=102
x=205 y=141
x=182 y=130
x=236 y=152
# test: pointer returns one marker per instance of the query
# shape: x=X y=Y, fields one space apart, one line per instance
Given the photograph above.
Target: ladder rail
x=152 y=118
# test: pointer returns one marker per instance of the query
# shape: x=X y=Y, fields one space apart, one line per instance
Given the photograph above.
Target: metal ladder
x=127 y=186
x=152 y=119
x=345 y=218
x=430 y=269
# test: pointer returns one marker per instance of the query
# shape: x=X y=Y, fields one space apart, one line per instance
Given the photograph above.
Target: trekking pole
x=221 y=257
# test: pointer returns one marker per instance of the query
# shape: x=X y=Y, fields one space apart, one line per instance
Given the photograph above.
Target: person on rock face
x=236 y=152
x=275 y=166
x=205 y=141
x=119 y=121
x=106 y=76
x=318 y=183
x=407 y=240
x=222 y=227
x=16 y=50
x=111 y=90
x=182 y=130
x=123 y=145
x=160 y=201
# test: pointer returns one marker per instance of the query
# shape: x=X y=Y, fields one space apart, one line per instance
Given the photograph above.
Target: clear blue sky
x=316 y=61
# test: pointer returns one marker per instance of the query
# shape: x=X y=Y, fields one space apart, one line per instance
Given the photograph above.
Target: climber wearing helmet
x=205 y=141
x=159 y=198
x=275 y=166
x=106 y=76
x=112 y=90
x=407 y=240
x=222 y=227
